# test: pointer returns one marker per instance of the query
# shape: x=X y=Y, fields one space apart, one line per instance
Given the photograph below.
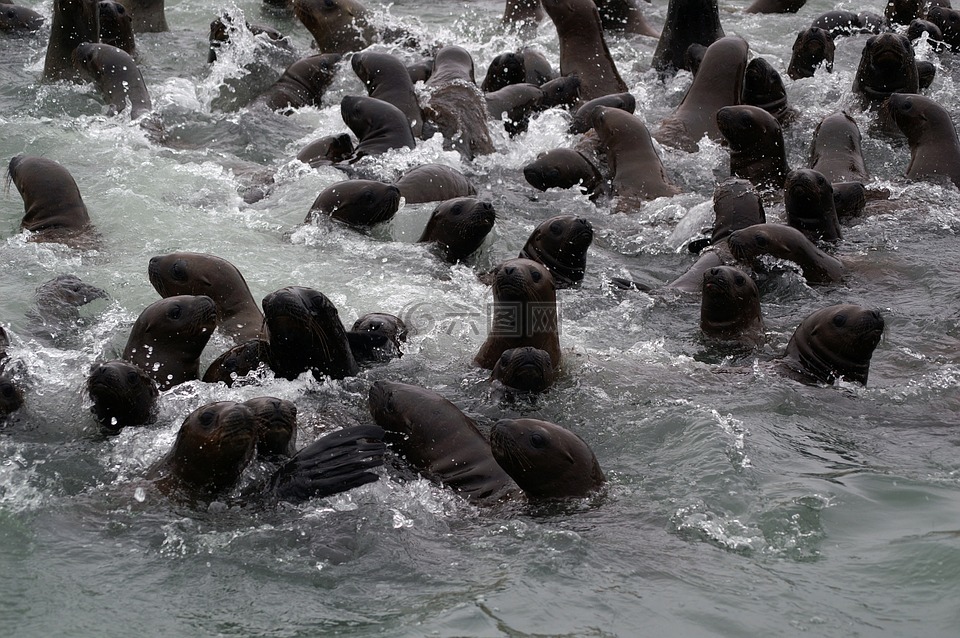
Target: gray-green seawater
x=740 y=503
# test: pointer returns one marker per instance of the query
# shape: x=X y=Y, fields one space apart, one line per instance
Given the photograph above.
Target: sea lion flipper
x=332 y=464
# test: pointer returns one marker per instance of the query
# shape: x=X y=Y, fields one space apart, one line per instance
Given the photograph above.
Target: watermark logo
x=508 y=319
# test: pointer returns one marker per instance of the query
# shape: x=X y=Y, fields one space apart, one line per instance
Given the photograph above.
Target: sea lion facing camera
x=53 y=208
x=755 y=142
x=763 y=87
x=814 y=46
x=887 y=65
x=560 y=243
x=687 y=22
x=116 y=26
x=123 y=395
x=810 y=207
x=458 y=227
x=934 y=148
x=276 y=426
x=526 y=369
x=337 y=26
x=730 y=306
x=388 y=332
x=74 y=22
x=836 y=150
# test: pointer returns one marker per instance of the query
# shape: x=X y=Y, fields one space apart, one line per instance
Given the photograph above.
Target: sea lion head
x=11 y=396
x=276 y=426
x=730 y=303
x=736 y=205
x=812 y=47
x=337 y=26
x=887 y=65
x=523 y=280
x=505 y=69
x=561 y=91
x=915 y=114
x=763 y=86
x=545 y=460
x=810 y=206
x=16 y=19
x=560 y=243
x=748 y=127
x=238 y=362
x=459 y=226
x=527 y=369
x=184 y=273
x=358 y=202
x=122 y=395
x=836 y=342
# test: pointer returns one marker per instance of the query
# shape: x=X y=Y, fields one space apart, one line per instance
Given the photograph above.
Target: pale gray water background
x=739 y=504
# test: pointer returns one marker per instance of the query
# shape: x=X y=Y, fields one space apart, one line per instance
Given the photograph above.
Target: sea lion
x=836 y=149
x=306 y=334
x=385 y=78
x=357 y=202
x=546 y=460
x=167 y=338
x=58 y=301
x=915 y=31
x=337 y=26
x=73 y=23
x=123 y=395
x=18 y=20
x=186 y=273
x=730 y=307
x=755 y=142
x=420 y=71
x=687 y=22
x=784 y=242
x=903 y=11
x=116 y=26
x=455 y=104
x=224 y=26
x=560 y=243
x=53 y=207
x=329 y=149
x=238 y=361
x=625 y=16
x=810 y=208
x=583 y=49
x=718 y=83
x=116 y=75
x=439 y=441
x=562 y=91
x=11 y=396
x=458 y=227
x=934 y=148
x=775 y=6
x=276 y=426
x=522 y=15
x=887 y=66
x=302 y=84
x=834 y=343
x=583 y=118
x=516 y=67
x=763 y=87
x=948 y=21
x=526 y=369
x=378 y=125
x=434 y=183
x=812 y=48
x=524 y=312
x=736 y=205
x=693 y=58
x=217 y=441
x=148 y=15
x=838 y=23
x=637 y=173
x=391 y=329
x=562 y=168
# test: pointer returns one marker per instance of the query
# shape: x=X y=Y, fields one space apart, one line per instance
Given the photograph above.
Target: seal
x=524 y=313
x=123 y=395
x=378 y=125
x=73 y=23
x=15 y=19
x=456 y=105
x=357 y=202
x=224 y=26
x=306 y=334
x=439 y=441
x=116 y=75
x=458 y=227
x=517 y=67
x=775 y=6
x=186 y=273
x=386 y=79
x=116 y=26
x=583 y=118
x=526 y=369
x=561 y=92
x=812 y=48
x=434 y=183
x=337 y=26
x=583 y=49
x=58 y=301
x=329 y=149
x=784 y=242
x=391 y=330
x=836 y=151
x=148 y=15
x=810 y=207
x=934 y=149
x=763 y=87
x=755 y=142
x=514 y=105
x=736 y=205
x=948 y=21
x=834 y=343
x=887 y=66
x=167 y=338
x=624 y=16
x=687 y=22
x=276 y=426
x=562 y=168
x=904 y=11
x=560 y=243
x=838 y=23
x=53 y=207
x=11 y=396
x=915 y=31
x=303 y=83
x=217 y=441
x=637 y=173
x=546 y=460
x=238 y=362
x=523 y=16
x=730 y=307
x=718 y=83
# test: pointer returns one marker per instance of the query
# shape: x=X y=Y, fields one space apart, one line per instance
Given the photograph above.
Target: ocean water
x=740 y=502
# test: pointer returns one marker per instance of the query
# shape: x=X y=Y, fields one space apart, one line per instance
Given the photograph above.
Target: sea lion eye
x=761 y=240
x=537 y=440
x=556 y=228
x=505 y=358
x=535 y=275
x=179 y=270
x=456 y=209
x=840 y=320
x=132 y=377
x=7 y=390
x=739 y=280
x=207 y=418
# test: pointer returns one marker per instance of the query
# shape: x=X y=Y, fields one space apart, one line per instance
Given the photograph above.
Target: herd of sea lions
x=296 y=329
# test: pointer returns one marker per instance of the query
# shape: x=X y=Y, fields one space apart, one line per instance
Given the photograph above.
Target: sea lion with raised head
x=57 y=315
x=887 y=66
x=74 y=22
x=546 y=460
x=433 y=183
x=238 y=362
x=116 y=75
x=526 y=369
x=718 y=83
x=934 y=148
x=583 y=118
x=53 y=207
x=810 y=207
x=524 y=313
x=836 y=150
x=625 y=16
x=763 y=87
x=186 y=273
x=439 y=441
x=562 y=168
x=560 y=243
x=456 y=105
x=224 y=26
x=303 y=83
x=516 y=67
x=385 y=78
x=812 y=48
x=687 y=22
x=458 y=227
x=775 y=6
x=583 y=49
x=747 y=245
x=378 y=125
x=357 y=202
x=755 y=142
x=388 y=332
x=123 y=395
x=948 y=21
x=15 y=19
x=337 y=26
x=834 y=343
x=730 y=306
x=148 y=15
x=116 y=26
x=514 y=105
x=276 y=426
